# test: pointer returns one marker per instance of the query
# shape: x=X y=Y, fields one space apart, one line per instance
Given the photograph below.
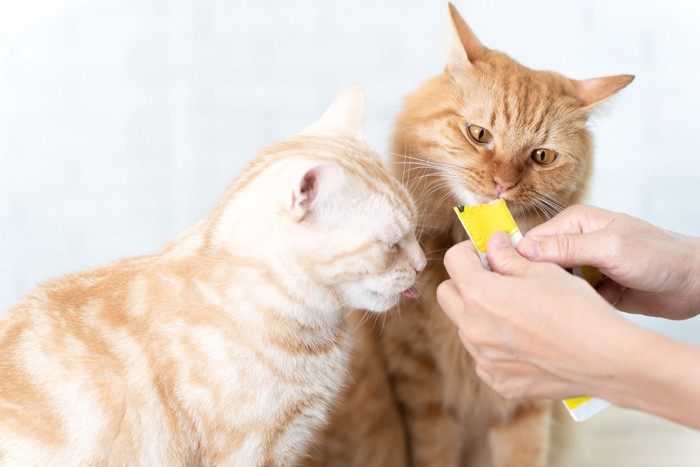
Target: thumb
x=502 y=257
x=565 y=250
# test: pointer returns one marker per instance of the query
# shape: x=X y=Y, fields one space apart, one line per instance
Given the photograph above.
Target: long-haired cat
x=486 y=128
x=229 y=345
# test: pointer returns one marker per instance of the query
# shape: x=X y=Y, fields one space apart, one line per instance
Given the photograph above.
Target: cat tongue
x=411 y=292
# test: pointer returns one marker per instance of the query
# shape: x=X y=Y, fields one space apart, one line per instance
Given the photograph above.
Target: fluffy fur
x=228 y=346
x=449 y=417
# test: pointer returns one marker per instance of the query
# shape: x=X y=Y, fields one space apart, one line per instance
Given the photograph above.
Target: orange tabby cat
x=229 y=345
x=486 y=128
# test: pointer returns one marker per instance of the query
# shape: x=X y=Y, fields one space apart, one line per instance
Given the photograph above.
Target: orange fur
x=229 y=345
x=449 y=416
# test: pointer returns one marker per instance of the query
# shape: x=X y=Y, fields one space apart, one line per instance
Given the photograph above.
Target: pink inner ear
x=307 y=184
x=316 y=184
x=307 y=188
x=307 y=192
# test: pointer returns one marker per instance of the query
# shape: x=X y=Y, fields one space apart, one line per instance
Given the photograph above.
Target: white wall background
x=121 y=121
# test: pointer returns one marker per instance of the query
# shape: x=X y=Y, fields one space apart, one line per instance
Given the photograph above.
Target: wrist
x=655 y=374
x=617 y=362
x=627 y=368
x=606 y=355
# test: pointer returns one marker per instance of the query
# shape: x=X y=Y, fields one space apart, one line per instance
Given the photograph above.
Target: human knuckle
x=508 y=390
x=565 y=246
x=451 y=257
x=616 y=243
x=569 y=211
x=443 y=291
x=575 y=210
x=502 y=387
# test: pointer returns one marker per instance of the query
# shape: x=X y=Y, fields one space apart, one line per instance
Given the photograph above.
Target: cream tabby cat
x=228 y=346
x=486 y=128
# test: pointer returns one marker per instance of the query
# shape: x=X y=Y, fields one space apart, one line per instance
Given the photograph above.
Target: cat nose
x=418 y=271
x=502 y=186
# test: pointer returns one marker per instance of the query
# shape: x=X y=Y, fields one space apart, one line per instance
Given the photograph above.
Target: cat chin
x=381 y=303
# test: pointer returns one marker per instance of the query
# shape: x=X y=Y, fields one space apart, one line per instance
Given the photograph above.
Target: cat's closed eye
x=543 y=156
x=478 y=134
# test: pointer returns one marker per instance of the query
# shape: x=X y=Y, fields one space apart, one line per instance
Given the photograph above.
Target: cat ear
x=592 y=91
x=315 y=186
x=465 y=47
x=344 y=117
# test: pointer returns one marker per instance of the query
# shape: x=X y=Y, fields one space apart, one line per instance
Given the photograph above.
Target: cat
x=229 y=345
x=486 y=128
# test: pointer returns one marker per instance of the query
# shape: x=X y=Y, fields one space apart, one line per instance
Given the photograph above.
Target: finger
x=471 y=348
x=611 y=291
x=576 y=219
x=503 y=258
x=642 y=303
x=510 y=380
x=462 y=262
x=565 y=250
x=484 y=375
x=451 y=302
x=514 y=380
x=541 y=388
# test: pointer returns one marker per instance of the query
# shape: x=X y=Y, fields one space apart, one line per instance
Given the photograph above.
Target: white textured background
x=121 y=121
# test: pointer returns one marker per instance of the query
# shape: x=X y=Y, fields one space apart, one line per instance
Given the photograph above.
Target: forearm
x=655 y=374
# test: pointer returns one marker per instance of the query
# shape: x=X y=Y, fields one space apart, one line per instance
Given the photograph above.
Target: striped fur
x=447 y=416
x=229 y=345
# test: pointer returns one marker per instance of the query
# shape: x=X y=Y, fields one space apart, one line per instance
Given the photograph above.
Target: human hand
x=652 y=271
x=534 y=330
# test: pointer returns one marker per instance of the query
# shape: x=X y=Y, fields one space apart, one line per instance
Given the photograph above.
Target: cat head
x=491 y=128
x=331 y=212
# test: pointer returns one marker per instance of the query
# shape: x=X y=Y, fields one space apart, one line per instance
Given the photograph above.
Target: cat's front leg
x=433 y=430
x=523 y=440
x=433 y=436
x=366 y=429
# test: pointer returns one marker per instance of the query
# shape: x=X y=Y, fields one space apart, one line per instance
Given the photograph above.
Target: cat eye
x=478 y=134
x=543 y=156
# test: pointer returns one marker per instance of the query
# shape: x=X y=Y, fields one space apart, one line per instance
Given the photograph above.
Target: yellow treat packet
x=480 y=222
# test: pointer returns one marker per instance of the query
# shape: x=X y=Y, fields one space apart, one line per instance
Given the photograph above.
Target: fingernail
x=499 y=239
x=529 y=248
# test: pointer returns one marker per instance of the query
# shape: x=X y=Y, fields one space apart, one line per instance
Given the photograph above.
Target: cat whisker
x=381 y=330
x=428 y=162
x=437 y=250
x=365 y=318
x=434 y=186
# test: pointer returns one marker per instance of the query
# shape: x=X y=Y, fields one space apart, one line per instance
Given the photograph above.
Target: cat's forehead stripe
x=352 y=253
x=393 y=193
x=523 y=98
x=379 y=181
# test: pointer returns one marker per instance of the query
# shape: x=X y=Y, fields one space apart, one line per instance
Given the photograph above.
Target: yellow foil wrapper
x=482 y=220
